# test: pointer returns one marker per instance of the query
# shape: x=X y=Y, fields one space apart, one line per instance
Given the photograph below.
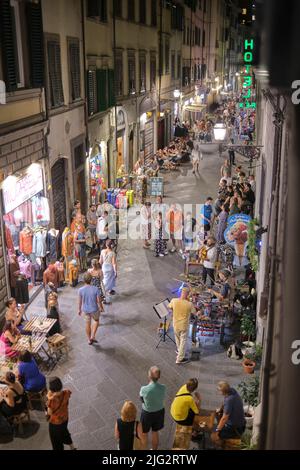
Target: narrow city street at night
x=149 y=260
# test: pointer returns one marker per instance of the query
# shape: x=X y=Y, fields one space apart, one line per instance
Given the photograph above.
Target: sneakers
x=185 y=360
x=173 y=249
x=166 y=252
x=161 y=255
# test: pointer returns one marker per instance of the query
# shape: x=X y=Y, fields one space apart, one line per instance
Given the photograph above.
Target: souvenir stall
x=97 y=178
x=26 y=222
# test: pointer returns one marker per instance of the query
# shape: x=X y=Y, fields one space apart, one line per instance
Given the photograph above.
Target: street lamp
x=176 y=94
x=220 y=132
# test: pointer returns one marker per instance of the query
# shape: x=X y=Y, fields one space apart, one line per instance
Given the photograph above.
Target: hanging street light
x=220 y=131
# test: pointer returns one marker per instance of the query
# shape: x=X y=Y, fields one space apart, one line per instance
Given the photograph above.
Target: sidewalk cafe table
x=40 y=325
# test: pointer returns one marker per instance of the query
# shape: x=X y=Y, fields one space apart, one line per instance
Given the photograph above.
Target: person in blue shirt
x=232 y=424
x=90 y=304
x=29 y=375
x=206 y=214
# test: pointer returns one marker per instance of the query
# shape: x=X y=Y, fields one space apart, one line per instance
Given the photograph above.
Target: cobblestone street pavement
x=102 y=376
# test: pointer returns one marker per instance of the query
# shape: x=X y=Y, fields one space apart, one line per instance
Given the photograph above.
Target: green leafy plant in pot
x=249 y=389
x=248 y=330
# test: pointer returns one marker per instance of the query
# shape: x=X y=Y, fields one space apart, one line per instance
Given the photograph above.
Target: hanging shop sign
x=156 y=186
x=247 y=84
x=236 y=235
x=16 y=191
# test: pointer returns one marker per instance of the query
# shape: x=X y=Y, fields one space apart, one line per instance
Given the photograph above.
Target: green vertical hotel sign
x=247 y=77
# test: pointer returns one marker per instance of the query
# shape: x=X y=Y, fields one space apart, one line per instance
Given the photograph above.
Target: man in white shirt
x=210 y=261
x=102 y=229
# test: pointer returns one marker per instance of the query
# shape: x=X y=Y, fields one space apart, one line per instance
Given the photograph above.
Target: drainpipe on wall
x=87 y=143
x=116 y=116
x=160 y=54
x=191 y=42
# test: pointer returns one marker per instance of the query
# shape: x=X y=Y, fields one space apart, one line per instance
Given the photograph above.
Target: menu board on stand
x=156 y=186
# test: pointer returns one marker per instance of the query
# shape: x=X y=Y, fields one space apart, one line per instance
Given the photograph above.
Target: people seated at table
x=14 y=314
x=186 y=404
x=53 y=314
x=10 y=335
x=232 y=425
x=29 y=375
x=14 y=399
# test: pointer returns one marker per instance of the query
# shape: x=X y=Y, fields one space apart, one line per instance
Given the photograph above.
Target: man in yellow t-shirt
x=185 y=406
x=182 y=310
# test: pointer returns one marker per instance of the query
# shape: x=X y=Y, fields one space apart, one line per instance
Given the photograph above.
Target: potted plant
x=248 y=330
x=258 y=352
x=249 y=390
x=247 y=443
x=249 y=363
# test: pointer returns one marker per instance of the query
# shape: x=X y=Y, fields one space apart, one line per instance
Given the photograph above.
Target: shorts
x=230 y=432
x=89 y=316
x=152 y=421
x=189 y=420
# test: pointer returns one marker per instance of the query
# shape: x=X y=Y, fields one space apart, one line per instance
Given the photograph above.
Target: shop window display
x=29 y=245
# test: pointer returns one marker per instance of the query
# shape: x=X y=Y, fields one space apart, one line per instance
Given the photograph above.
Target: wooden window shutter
x=74 y=57
x=111 y=88
x=93 y=8
x=118 y=73
x=102 y=89
x=92 y=91
x=36 y=47
x=103 y=12
x=55 y=77
x=8 y=48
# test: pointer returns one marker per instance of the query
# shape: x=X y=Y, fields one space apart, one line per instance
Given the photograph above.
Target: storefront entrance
x=26 y=224
x=161 y=134
x=120 y=149
x=58 y=177
x=131 y=137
